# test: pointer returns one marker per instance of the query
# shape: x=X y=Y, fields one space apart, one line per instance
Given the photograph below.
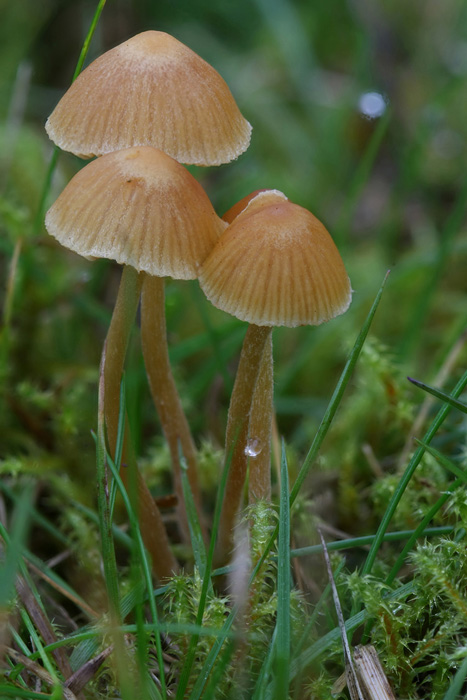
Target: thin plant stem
x=237 y=433
x=152 y=526
x=166 y=397
x=260 y=430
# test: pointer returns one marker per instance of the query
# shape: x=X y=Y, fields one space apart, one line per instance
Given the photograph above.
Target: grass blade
x=447 y=463
x=283 y=587
x=368 y=539
x=440 y=395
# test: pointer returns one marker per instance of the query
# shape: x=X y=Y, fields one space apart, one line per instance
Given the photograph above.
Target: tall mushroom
x=141 y=208
x=275 y=265
x=153 y=90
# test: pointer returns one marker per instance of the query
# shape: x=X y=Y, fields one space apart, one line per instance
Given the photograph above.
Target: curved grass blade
x=447 y=463
x=455 y=403
x=368 y=539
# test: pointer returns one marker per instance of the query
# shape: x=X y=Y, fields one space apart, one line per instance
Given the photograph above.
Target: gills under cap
x=151 y=90
x=276 y=265
x=138 y=207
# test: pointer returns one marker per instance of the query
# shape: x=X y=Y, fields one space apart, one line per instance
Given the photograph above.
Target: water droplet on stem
x=253 y=447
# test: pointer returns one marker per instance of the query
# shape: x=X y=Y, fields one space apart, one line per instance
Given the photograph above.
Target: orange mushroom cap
x=152 y=90
x=138 y=207
x=276 y=265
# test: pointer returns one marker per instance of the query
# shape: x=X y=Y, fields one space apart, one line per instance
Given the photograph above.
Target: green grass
x=378 y=463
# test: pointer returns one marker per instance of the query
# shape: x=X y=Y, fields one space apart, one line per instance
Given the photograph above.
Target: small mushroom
x=275 y=265
x=141 y=208
x=151 y=90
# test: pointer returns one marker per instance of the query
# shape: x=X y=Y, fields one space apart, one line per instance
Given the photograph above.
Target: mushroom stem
x=165 y=395
x=237 y=433
x=260 y=429
x=152 y=526
x=117 y=340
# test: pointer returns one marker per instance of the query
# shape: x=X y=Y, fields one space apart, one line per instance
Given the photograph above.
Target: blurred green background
x=359 y=113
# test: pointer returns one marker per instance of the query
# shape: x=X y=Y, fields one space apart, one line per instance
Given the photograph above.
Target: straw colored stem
x=165 y=395
x=152 y=526
x=237 y=434
x=260 y=429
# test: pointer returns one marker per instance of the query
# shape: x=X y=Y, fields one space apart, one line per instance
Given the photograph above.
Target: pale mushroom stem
x=165 y=395
x=260 y=430
x=152 y=527
x=237 y=434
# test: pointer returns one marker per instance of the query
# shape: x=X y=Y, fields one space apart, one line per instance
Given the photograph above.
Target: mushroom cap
x=152 y=90
x=276 y=265
x=138 y=207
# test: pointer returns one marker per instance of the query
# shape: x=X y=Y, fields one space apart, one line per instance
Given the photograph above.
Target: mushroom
x=275 y=265
x=151 y=90
x=141 y=208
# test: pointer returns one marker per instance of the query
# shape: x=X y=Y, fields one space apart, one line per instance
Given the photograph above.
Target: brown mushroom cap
x=276 y=265
x=138 y=207
x=152 y=90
